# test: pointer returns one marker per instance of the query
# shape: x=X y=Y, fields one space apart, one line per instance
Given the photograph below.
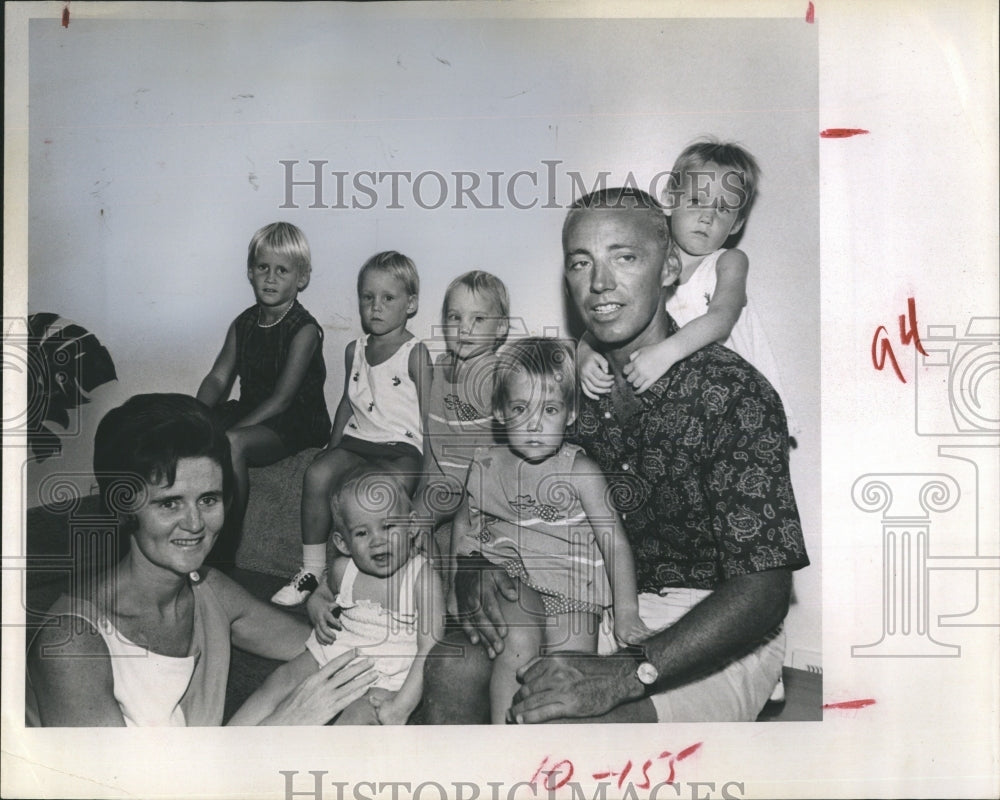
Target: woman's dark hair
x=140 y=442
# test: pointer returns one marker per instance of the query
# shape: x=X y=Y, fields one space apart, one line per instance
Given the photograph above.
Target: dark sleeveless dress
x=261 y=354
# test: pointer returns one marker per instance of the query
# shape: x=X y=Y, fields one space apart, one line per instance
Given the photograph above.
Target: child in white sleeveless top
x=390 y=607
x=379 y=422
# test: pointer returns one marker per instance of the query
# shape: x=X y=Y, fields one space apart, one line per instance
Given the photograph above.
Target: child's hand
x=646 y=365
x=594 y=376
x=629 y=629
x=387 y=710
x=322 y=616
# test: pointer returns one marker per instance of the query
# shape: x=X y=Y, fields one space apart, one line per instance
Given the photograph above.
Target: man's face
x=614 y=260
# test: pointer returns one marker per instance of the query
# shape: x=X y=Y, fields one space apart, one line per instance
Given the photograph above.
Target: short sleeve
x=748 y=486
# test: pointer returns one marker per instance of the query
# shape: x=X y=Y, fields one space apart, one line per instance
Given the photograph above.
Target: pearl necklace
x=272 y=324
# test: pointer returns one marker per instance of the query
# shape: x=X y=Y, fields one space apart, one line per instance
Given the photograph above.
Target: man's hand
x=566 y=685
x=477 y=584
x=323 y=613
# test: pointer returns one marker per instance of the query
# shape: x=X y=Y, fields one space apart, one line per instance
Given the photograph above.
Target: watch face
x=647 y=673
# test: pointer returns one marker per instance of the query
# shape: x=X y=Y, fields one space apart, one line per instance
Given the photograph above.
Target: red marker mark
x=65 y=15
x=882 y=347
x=851 y=704
x=558 y=774
x=841 y=133
x=811 y=14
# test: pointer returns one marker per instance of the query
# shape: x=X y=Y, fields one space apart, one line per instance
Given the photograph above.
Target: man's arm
x=726 y=624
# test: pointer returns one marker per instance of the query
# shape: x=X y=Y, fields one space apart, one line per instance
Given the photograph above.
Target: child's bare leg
x=526 y=621
x=272 y=691
x=327 y=472
x=405 y=469
x=253 y=446
x=572 y=630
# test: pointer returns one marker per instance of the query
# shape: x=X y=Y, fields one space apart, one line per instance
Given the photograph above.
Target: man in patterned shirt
x=698 y=468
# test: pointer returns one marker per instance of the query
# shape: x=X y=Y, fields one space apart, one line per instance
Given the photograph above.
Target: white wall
x=154 y=150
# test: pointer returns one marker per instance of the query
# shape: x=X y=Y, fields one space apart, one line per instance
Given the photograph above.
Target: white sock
x=314 y=558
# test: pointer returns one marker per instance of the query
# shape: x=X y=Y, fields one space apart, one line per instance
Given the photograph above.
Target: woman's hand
x=323 y=613
x=324 y=694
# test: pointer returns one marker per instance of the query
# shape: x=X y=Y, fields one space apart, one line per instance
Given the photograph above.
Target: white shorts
x=734 y=693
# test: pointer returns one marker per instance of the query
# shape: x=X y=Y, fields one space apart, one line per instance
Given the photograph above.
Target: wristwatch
x=646 y=672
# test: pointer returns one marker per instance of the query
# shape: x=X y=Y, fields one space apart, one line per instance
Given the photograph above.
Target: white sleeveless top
x=384 y=398
x=690 y=300
x=157 y=690
x=388 y=638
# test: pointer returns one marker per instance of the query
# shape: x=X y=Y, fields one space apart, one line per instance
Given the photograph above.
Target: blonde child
x=275 y=347
x=475 y=317
x=390 y=607
x=537 y=507
x=708 y=199
x=378 y=423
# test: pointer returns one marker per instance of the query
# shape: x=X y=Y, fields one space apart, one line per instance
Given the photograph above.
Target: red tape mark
x=811 y=14
x=841 y=133
x=852 y=704
x=65 y=15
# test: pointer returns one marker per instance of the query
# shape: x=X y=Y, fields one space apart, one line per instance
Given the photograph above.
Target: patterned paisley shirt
x=698 y=467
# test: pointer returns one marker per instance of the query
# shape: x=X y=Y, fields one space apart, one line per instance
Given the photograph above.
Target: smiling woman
x=148 y=642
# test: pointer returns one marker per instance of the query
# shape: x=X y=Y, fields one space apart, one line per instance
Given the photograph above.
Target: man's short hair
x=621 y=197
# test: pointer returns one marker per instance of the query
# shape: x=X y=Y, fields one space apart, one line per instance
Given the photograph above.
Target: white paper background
x=908 y=210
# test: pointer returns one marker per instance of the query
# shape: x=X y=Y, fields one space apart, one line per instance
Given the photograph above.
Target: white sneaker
x=778 y=695
x=295 y=592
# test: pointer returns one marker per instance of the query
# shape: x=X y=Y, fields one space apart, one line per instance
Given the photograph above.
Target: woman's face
x=179 y=523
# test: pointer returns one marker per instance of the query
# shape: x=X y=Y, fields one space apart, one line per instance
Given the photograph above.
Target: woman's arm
x=219 y=381
x=429 y=602
x=70 y=673
x=715 y=325
x=290 y=378
x=344 y=410
x=256 y=626
x=303 y=693
x=614 y=547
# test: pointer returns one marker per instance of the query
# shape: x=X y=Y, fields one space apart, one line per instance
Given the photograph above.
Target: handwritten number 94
x=882 y=347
